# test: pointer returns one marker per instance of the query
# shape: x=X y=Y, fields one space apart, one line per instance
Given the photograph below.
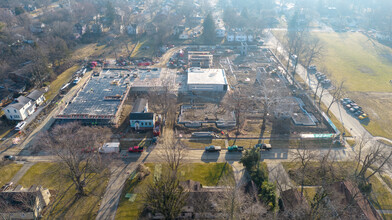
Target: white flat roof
x=206 y=76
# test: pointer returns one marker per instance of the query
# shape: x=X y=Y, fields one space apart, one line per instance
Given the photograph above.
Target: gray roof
x=35 y=95
x=139 y=105
x=19 y=102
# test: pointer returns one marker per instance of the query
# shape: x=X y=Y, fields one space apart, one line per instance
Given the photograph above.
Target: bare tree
x=173 y=152
x=314 y=50
x=371 y=157
x=235 y=203
x=336 y=95
x=72 y=145
x=304 y=156
x=166 y=196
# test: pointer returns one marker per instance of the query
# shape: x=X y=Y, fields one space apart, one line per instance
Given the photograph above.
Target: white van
x=112 y=147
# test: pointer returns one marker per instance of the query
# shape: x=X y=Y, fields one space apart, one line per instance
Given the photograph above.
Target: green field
x=208 y=174
x=49 y=176
x=8 y=171
x=365 y=66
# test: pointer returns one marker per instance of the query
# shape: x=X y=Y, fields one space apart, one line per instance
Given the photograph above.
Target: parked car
x=9 y=157
x=136 y=149
x=358 y=113
x=312 y=69
x=6 y=186
x=20 y=126
x=267 y=147
x=363 y=116
x=213 y=148
x=235 y=148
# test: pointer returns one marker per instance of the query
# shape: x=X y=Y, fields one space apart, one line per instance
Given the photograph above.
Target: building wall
x=15 y=114
x=40 y=100
x=143 y=124
x=207 y=87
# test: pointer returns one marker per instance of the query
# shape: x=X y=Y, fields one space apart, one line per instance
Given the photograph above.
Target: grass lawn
x=64 y=207
x=309 y=193
x=8 y=171
x=380 y=196
x=201 y=144
x=366 y=67
x=61 y=79
x=207 y=174
x=145 y=48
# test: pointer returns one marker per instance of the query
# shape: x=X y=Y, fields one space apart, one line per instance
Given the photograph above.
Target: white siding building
x=20 y=109
x=213 y=80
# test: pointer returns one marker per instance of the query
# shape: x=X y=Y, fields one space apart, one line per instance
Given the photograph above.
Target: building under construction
x=100 y=100
x=203 y=59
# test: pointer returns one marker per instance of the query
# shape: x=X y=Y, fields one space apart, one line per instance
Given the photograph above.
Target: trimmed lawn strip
x=61 y=79
x=208 y=174
x=50 y=176
x=202 y=143
x=8 y=171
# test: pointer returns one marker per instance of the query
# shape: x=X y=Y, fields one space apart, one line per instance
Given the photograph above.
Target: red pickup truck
x=136 y=149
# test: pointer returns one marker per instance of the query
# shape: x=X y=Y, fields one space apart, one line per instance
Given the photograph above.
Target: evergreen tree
x=209 y=29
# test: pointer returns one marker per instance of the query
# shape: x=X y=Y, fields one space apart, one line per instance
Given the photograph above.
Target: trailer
x=111 y=147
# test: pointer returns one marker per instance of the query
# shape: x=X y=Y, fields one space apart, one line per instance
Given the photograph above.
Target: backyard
x=131 y=202
x=63 y=203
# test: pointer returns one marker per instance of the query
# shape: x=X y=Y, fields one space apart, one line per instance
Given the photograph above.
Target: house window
x=11 y=116
x=16 y=116
x=142 y=123
x=8 y=110
x=14 y=110
x=149 y=123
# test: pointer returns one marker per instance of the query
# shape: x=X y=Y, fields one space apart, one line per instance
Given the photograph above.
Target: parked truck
x=213 y=148
x=111 y=147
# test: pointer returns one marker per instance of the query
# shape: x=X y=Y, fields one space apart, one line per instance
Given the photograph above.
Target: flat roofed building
x=203 y=59
x=100 y=100
x=207 y=80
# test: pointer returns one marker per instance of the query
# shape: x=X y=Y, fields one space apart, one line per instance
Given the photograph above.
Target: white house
x=220 y=32
x=140 y=118
x=20 y=109
x=250 y=38
x=37 y=97
x=230 y=37
x=240 y=37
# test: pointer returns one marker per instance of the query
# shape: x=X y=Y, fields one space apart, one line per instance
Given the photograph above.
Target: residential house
x=241 y=37
x=132 y=29
x=37 y=97
x=37 y=28
x=250 y=37
x=230 y=36
x=79 y=29
x=178 y=29
x=22 y=107
x=140 y=118
x=150 y=29
x=220 y=32
x=97 y=28
x=23 y=203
